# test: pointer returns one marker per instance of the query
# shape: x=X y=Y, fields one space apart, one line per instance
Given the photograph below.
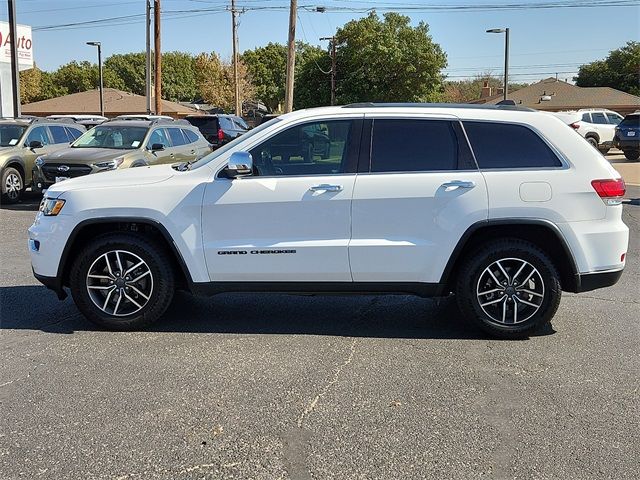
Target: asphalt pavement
x=253 y=386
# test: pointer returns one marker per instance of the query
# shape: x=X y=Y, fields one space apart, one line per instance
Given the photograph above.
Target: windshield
x=116 y=137
x=10 y=134
x=233 y=143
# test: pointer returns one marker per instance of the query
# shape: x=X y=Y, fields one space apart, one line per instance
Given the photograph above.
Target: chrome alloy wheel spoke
x=111 y=287
x=505 y=299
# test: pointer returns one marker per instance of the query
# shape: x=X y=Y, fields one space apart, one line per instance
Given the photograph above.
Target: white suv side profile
x=597 y=126
x=502 y=206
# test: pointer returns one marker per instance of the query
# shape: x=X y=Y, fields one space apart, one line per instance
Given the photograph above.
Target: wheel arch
x=88 y=229
x=19 y=165
x=537 y=231
x=593 y=135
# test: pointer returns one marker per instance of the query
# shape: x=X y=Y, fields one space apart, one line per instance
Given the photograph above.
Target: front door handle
x=455 y=184
x=324 y=187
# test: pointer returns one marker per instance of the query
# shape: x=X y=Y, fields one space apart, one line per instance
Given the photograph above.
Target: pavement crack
x=627 y=302
x=336 y=376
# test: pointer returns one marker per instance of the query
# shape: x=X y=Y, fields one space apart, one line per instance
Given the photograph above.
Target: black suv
x=218 y=129
x=627 y=136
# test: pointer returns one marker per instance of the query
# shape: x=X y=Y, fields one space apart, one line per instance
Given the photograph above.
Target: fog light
x=34 y=245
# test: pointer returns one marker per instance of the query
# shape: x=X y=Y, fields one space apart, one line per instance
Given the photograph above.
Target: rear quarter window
x=503 y=145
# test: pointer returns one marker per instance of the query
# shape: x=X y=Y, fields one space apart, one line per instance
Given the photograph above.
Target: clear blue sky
x=543 y=40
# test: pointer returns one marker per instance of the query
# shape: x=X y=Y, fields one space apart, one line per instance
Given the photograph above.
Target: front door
x=291 y=220
x=418 y=192
x=167 y=155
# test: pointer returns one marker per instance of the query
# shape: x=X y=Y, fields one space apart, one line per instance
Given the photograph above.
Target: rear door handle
x=455 y=184
x=325 y=187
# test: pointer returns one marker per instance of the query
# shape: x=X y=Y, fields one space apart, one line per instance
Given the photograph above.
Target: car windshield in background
x=116 y=137
x=10 y=134
x=631 y=121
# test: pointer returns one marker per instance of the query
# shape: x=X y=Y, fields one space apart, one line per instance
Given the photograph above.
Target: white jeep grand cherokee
x=504 y=207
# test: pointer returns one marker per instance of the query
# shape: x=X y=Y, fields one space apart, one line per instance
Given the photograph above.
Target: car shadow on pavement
x=35 y=308
x=30 y=202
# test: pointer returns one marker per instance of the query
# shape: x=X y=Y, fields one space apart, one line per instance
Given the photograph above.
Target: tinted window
x=38 y=134
x=177 y=138
x=158 y=136
x=586 y=117
x=190 y=136
x=241 y=123
x=631 y=121
x=413 y=146
x=614 y=118
x=501 y=145
x=226 y=124
x=74 y=133
x=599 y=118
x=318 y=148
x=59 y=134
x=10 y=134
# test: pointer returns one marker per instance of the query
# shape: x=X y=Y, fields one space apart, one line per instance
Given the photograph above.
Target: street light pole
x=506 y=57
x=99 y=45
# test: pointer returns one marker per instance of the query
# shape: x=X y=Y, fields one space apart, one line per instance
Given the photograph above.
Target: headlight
x=111 y=164
x=51 y=207
x=39 y=161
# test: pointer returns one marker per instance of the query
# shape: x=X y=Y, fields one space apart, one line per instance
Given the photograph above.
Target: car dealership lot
x=260 y=386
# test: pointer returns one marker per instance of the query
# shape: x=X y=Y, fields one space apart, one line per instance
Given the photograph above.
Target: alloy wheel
x=13 y=186
x=119 y=283
x=510 y=291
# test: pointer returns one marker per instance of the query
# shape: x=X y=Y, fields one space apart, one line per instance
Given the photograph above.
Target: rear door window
x=59 y=134
x=415 y=145
x=503 y=145
x=73 y=133
x=227 y=124
x=177 y=139
x=599 y=118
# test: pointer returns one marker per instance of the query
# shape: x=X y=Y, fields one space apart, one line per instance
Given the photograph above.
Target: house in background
x=116 y=102
x=556 y=95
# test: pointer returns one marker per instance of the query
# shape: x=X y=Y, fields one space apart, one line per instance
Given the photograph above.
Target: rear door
x=416 y=193
x=180 y=148
x=603 y=127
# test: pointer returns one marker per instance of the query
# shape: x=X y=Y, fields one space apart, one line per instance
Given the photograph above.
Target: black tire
x=473 y=274
x=12 y=185
x=632 y=155
x=162 y=282
x=593 y=142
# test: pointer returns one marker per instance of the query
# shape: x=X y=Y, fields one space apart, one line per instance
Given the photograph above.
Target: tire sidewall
x=163 y=281
x=486 y=257
x=5 y=174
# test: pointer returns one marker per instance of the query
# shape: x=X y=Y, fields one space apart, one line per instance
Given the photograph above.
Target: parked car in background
x=89 y=121
x=22 y=141
x=218 y=129
x=627 y=136
x=143 y=116
x=597 y=126
x=117 y=144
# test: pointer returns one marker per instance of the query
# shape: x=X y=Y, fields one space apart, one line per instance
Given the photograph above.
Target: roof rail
x=470 y=106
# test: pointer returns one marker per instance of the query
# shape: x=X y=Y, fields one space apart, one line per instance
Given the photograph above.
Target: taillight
x=575 y=125
x=610 y=191
x=220 y=134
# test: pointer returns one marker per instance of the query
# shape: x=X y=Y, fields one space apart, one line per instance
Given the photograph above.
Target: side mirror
x=35 y=144
x=240 y=164
x=157 y=147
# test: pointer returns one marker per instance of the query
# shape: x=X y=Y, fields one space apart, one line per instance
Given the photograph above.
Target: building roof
x=554 y=95
x=116 y=102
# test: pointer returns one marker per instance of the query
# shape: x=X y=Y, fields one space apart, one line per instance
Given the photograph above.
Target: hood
x=85 y=155
x=128 y=177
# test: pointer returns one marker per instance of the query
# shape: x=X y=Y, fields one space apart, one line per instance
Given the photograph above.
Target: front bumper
x=585 y=282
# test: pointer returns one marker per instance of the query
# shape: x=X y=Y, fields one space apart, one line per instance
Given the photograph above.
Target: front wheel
x=509 y=288
x=12 y=185
x=122 y=281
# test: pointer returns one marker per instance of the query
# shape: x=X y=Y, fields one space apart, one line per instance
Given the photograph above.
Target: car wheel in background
x=604 y=150
x=632 y=154
x=122 y=281
x=12 y=185
x=509 y=288
x=593 y=142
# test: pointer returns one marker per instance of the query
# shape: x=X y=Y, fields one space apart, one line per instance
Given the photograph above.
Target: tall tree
x=267 y=69
x=313 y=82
x=30 y=84
x=179 y=82
x=620 y=70
x=388 y=60
x=77 y=77
x=214 y=80
x=130 y=68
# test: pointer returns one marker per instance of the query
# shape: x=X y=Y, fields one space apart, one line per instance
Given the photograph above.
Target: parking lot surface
x=250 y=386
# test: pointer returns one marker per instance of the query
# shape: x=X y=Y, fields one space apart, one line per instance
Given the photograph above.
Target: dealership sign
x=23 y=41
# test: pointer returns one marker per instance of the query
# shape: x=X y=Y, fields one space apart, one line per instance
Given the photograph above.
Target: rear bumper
x=585 y=282
x=626 y=144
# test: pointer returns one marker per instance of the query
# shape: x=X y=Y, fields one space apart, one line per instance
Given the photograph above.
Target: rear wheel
x=122 y=281
x=12 y=185
x=632 y=154
x=509 y=288
x=593 y=142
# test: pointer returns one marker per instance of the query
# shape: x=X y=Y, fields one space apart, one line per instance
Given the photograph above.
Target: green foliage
x=178 y=77
x=130 y=67
x=388 y=61
x=620 y=70
x=463 y=91
x=312 y=86
x=267 y=67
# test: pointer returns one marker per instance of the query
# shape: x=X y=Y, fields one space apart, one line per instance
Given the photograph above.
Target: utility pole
x=236 y=80
x=333 y=67
x=15 y=72
x=506 y=63
x=158 y=56
x=147 y=73
x=291 y=57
